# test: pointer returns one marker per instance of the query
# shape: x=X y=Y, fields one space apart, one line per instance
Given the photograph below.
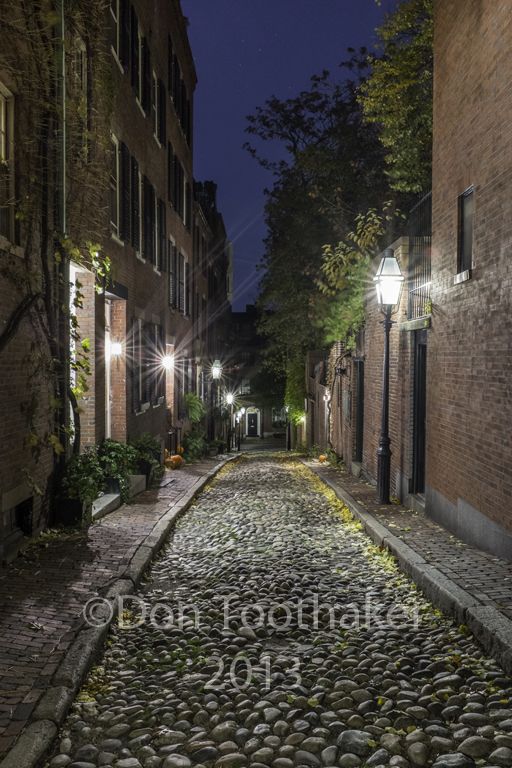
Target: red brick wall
x=469 y=410
x=118 y=373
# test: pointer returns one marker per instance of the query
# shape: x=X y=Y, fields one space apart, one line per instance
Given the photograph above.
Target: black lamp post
x=388 y=282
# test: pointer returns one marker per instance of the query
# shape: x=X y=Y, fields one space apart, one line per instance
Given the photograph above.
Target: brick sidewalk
x=486 y=577
x=43 y=592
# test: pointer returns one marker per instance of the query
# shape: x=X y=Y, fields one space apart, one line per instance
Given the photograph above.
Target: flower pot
x=145 y=468
x=72 y=512
x=112 y=485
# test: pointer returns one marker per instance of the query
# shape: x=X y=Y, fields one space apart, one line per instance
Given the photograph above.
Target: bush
x=84 y=478
x=194 y=407
x=119 y=461
x=193 y=444
x=148 y=449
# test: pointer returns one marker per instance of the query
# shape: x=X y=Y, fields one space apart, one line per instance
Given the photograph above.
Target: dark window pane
x=466 y=231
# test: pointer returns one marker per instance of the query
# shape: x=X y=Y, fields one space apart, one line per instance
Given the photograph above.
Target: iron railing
x=420 y=241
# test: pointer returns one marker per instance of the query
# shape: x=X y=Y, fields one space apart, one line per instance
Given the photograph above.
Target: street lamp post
x=388 y=282
x=216 y=375
x=229 y=401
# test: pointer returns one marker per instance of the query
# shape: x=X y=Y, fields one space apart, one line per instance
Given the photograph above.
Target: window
x=146 y=77
x=120 y=32
x=114 y=186
x=171 y=167
x=161 y=104
x=6 y=164
x=148 y=375
x=137 y=365
x=154 y=104
x=136 y=54
x=466 y=230
x=188 y=289
x=245 y=387
x=203 y=319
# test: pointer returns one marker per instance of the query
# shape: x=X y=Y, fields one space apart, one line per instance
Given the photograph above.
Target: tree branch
x=16 y=317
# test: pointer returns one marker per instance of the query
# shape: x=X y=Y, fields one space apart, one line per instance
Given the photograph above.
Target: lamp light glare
x=116 y=348
x=168 y=362
x=216 y=369
x=388 y=280
x=229 y=398
x=242 y=410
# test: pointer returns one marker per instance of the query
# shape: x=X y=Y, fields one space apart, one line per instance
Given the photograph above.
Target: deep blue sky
x=246 y=51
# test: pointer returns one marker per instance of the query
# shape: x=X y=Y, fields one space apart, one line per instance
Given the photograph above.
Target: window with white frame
x=6 y=164
x=114 y=186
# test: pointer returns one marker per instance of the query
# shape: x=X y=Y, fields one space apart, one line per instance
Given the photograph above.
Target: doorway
x=420 y=411
x=359 y=411
x=252 y=425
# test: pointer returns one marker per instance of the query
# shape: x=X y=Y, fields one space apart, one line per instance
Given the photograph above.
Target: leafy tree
x=397 y=94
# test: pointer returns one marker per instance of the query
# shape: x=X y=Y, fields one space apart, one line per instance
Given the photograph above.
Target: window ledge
x=157 y=140
x=117 y=239
x=140 y=106
x=114 y=54
x=462 y=277
x=415 y=325
x=139 y=257
x=6 y=245
x=157 y=271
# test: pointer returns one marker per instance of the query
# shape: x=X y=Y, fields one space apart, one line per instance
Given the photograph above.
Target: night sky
x=246 y=51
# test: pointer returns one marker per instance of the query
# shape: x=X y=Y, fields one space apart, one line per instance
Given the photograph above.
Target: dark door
x=359 y=411
x=420 y=411
x=252 y=424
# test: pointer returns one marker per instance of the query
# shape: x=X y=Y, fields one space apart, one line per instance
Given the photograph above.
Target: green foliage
x=398 y=93
x=84 y=478
x=344 y=275
x=295 y=393
x=147 y=448
x=119 y=461
x=193 y=444
x=194 y=407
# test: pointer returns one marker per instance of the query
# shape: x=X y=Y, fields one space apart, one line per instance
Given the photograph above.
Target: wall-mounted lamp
x=168 y=362
x=216 y=369
x=116 y=348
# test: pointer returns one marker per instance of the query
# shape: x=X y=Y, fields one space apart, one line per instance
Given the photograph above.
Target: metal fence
x=420 y=241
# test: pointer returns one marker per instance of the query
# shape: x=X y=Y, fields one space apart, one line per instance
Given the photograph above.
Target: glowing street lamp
x=116 y=348
x=216 y=370
x=168 y=362
x=229 y=398
x=388 y=282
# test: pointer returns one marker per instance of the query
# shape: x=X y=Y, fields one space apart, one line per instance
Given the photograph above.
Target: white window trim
x=115 y=19
x=154 y=107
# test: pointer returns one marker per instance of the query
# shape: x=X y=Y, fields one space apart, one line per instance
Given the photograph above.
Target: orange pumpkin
x=169 y=463
x=178 y=461
x=322 y=458
x=180 y=450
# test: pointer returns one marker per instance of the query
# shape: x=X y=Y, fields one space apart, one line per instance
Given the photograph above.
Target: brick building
x=154 y=326
x=469 y=408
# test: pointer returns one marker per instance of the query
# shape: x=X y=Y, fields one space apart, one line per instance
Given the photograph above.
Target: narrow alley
x=271 y=631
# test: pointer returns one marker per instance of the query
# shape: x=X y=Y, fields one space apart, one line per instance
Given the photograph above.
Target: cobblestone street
x=272 y=633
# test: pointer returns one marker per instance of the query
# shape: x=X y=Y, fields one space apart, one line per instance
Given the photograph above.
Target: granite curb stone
x=490 y=627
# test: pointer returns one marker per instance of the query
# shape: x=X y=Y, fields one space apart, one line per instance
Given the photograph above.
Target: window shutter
x=183 y=101
x=135 y=363
x=176 y=86
x=187 y=121
x=162 y=237
x=125 y=202
x=162 y=116
x=188 y=289
x=182 y=284
x=171 y=186
x=178 y=171
x=134 y=23
x=147 y=362
x=161 y=352
x=124 y=34
x=152 y=220
x=170 y=66
x=135 y=200
x=146 y=77
x=188 y=206
x=146 y=216
x=172 y=276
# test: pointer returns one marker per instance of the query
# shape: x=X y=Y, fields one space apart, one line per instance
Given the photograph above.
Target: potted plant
x=82 y=484
x=119 y=461
x=148 y=453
